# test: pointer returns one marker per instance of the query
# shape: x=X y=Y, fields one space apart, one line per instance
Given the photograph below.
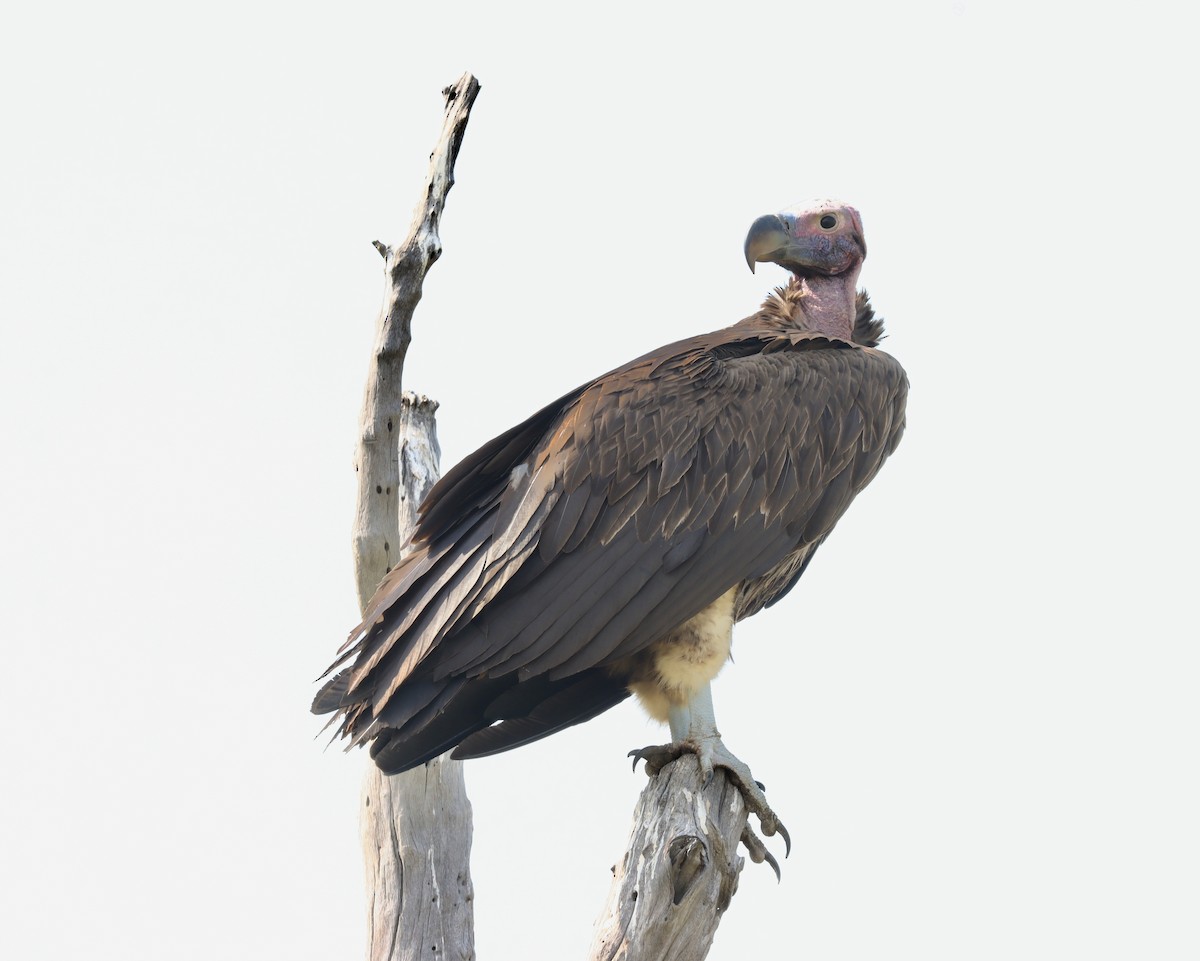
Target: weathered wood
x=416 y=827
x=376 y=529
x=679 y=873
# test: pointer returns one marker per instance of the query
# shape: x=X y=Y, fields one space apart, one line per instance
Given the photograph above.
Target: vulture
x=607 y=545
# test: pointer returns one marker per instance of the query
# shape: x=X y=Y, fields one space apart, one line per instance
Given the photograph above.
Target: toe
x=758 y=851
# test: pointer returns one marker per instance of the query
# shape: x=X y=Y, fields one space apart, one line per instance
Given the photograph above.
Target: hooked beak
x=767 y=241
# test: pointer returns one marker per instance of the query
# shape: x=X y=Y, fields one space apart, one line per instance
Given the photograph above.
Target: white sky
x=978 y=712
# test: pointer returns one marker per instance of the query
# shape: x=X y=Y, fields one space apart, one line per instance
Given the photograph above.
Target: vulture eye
x=829 y=221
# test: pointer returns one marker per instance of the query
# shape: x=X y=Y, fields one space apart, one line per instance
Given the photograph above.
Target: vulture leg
x=694 y=730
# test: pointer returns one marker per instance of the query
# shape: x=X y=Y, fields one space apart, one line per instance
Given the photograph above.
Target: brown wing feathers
x=604 y=521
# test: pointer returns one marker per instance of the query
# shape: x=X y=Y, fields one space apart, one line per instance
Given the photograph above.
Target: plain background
x=977 y=713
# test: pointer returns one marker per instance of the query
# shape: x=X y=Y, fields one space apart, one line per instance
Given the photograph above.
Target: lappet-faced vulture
x=608 y=544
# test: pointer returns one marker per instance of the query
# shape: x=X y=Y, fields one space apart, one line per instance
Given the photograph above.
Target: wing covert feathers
x=586 y=533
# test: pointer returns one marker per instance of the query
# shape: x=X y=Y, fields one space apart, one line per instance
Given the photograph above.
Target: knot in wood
x=689 y=859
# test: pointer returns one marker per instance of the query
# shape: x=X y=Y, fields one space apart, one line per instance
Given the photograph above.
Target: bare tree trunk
x=416 y=826
x=681 y=869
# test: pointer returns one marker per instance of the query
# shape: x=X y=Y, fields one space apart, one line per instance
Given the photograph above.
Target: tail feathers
x=419 y=702
x=460 y=714
x=583 y=698
x=394 y=755
x=441 y=722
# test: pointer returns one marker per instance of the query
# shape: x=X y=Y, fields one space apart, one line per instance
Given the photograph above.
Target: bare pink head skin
x=821 y=243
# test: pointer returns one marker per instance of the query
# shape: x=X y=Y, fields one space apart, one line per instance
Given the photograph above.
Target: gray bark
x=679 y=873
x=416 y=826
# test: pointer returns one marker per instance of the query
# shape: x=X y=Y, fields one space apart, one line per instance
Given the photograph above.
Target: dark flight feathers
x=563 y=547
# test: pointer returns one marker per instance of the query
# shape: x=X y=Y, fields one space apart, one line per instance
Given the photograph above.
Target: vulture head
x=821 y=243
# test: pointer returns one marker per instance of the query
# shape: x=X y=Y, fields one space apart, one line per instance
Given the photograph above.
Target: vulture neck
x=818 y=303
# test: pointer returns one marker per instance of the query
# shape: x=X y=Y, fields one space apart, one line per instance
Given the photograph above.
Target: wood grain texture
x=416 y=827
x=377 y=540
x=680 y=870
x=416 y=838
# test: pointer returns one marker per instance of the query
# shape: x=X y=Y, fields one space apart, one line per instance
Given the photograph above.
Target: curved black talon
x=770 y=859
x=656 y=756
x=787 y=839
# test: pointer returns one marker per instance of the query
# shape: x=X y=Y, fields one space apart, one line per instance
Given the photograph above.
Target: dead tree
x=672 y=886
x=416 y=826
